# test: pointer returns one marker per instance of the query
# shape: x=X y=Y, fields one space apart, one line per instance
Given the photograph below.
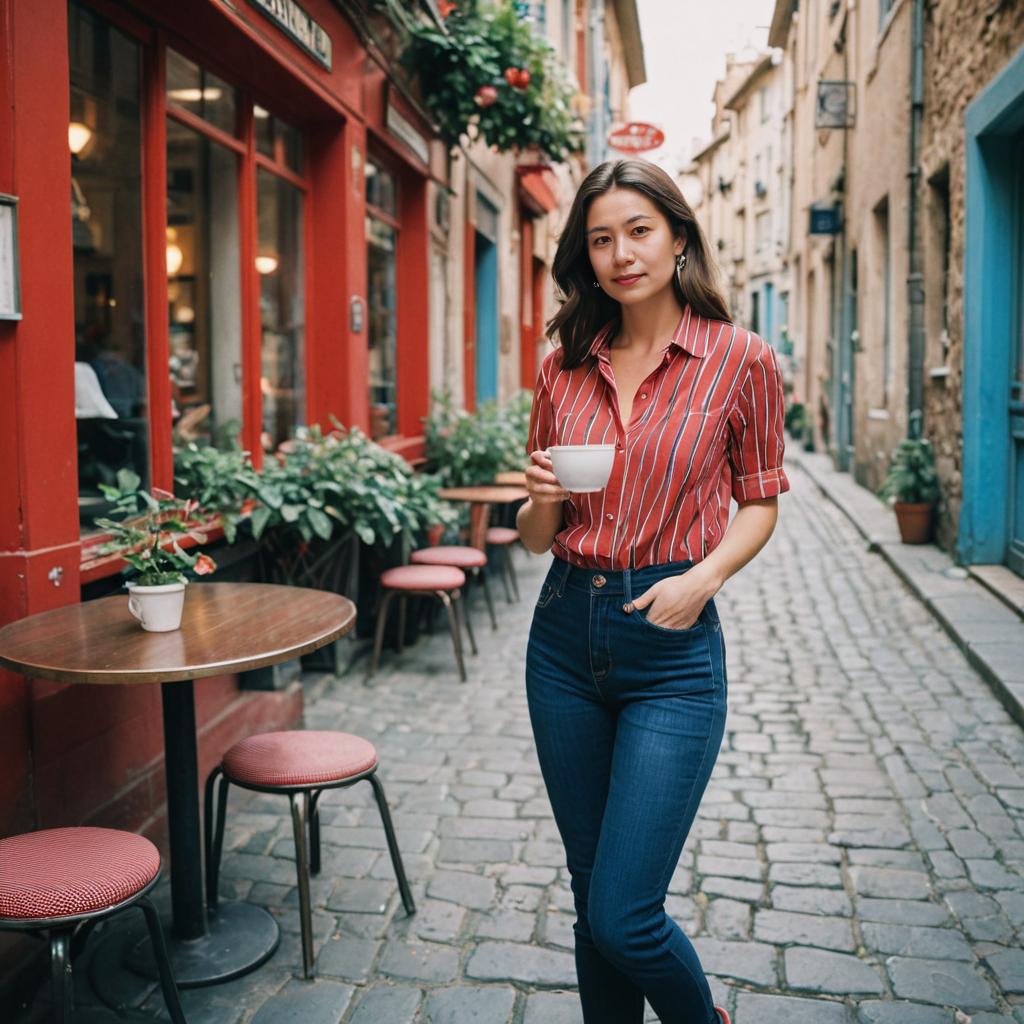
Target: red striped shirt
x=706 y=427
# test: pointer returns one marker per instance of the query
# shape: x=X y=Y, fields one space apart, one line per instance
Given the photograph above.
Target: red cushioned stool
x=444 y=582
x=502 y=538
x=301 y=764
x=60 y=879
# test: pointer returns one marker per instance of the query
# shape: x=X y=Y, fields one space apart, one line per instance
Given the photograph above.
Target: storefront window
x=203 y=288
x=278 y=140
x=201 y=93
x=104 y=136
x=382 y=244
x=282 y=307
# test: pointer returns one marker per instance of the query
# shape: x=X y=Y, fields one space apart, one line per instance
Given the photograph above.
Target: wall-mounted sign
x=356 y=311
x=835 y=107
x=826 y=219
x=10 y=284
x=402 y=129
x=295 y=22
x=636 y=137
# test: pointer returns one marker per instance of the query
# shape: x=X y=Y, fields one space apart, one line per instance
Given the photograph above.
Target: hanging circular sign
x=636 y=137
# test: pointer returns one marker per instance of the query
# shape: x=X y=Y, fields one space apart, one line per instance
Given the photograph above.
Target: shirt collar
x=691 y=335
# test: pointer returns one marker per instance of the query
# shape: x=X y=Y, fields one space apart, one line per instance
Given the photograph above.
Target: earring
x=680 y=261
x=596 y=285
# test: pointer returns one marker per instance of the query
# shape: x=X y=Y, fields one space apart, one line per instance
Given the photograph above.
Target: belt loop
x=627 y=585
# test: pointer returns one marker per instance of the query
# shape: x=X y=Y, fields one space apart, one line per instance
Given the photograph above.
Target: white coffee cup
x=582 y=468
x=158 y=609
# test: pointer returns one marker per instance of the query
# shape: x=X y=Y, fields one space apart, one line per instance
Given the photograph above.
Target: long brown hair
x=586 y=309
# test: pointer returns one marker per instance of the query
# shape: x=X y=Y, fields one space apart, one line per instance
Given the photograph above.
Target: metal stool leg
x=511 y=569
x=300 y=813
x=453 y=625
x=462 y=610
x=163 y=964
x=216 y=816
x=60 y=976
x=314 y=833
x=378 y=639
x=389 y=832
x=403 y=609
x=487 y=597
x=504 y=574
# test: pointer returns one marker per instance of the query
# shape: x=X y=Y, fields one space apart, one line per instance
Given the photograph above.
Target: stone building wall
x=967 y=43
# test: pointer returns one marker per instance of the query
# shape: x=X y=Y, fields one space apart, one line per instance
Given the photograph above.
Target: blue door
x=486 y=264
x=991 y=527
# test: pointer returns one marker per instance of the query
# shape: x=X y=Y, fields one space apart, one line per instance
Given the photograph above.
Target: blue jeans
x=628 y=718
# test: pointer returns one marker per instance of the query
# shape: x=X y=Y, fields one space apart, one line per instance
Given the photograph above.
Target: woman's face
x=631 y=246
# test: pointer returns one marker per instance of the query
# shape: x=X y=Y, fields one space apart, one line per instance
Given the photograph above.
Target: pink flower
x=204 y=565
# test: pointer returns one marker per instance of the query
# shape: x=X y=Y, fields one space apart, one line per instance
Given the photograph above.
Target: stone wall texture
x=967 y=43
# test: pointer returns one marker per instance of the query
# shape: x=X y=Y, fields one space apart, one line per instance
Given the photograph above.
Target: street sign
x=826 y=219
x=636 y=137
x=835 y=105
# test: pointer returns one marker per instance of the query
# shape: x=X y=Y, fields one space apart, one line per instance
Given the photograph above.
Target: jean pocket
x=547 y=592
x=696 y=627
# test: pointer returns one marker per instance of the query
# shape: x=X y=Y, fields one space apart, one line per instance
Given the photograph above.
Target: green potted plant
x=472 y=448
x=484 y=72
x=912 y=486
x=147 y=534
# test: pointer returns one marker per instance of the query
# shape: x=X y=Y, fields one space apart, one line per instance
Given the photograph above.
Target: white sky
x=685 y=43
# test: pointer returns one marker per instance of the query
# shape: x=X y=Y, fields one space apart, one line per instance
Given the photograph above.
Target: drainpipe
x=843 y=366
x=915 y=277
x=595 y=85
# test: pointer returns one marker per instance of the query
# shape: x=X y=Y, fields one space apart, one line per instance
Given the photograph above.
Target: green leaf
x=258 y=521
x=320 y=522
x=128 y=480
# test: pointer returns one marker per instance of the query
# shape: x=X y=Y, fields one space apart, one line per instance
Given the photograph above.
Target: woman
x=625 y=668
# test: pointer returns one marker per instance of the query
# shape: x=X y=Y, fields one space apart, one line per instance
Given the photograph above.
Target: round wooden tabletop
x=492 y=494
x=511 y=478
x=227 y=627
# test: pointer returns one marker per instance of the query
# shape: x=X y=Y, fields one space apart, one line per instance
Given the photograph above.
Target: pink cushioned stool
x=444 y=582
x=59 y=879
x=301 y=764
x=502 y=538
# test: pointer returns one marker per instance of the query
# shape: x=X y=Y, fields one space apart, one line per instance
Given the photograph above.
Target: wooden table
x=226 y=628
x=511 y=477
x=489 y=494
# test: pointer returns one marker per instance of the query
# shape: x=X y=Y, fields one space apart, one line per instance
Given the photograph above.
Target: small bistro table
x=511 y=477
x=486 y=494
x=226 y=628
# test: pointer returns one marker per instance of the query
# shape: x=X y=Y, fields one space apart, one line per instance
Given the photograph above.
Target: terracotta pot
x=915 y=521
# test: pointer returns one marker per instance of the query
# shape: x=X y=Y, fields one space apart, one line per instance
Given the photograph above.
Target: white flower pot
x=158 y=609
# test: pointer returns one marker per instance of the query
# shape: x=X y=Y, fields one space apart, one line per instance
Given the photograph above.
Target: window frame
x=154 y=112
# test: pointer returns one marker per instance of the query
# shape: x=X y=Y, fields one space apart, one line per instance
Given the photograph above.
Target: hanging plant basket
x=487 y=75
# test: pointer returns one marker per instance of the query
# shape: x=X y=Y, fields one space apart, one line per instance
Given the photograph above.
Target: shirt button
x=609 y=516
x=643 y=394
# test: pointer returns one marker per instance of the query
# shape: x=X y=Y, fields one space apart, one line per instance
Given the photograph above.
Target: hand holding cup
x=541 y=481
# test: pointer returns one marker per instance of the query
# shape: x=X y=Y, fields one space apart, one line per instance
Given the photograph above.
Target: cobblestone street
x=858 y=855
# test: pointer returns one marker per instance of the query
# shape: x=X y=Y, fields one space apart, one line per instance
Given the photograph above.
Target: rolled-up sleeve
x=541 y=415
x=756 y=440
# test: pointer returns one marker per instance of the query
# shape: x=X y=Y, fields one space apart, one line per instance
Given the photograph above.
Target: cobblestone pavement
x=858 y=857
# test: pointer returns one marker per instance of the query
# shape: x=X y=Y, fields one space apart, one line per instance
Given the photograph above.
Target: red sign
x=636 y=137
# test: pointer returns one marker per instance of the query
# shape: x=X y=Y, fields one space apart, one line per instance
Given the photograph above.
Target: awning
x=538 y=187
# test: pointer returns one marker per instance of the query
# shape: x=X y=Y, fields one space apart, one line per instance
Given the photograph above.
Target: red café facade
x=249 y=190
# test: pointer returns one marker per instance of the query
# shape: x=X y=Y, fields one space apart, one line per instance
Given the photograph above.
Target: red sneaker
x=723 y=1015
